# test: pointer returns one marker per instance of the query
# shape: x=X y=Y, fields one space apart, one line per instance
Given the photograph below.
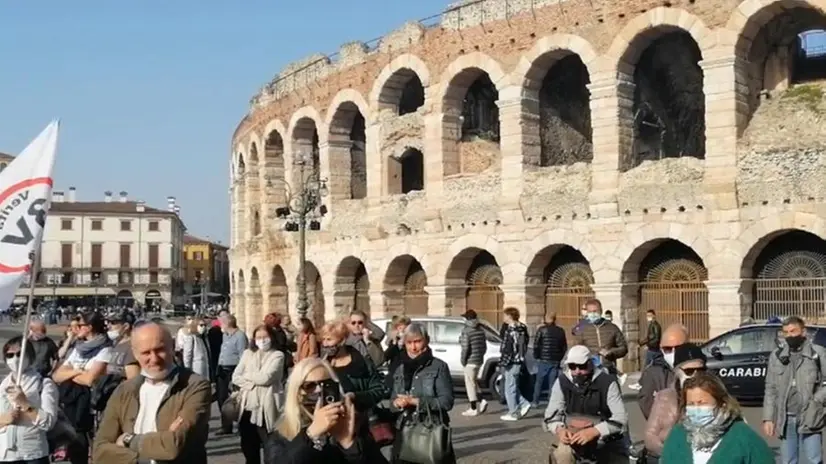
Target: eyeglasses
x=578 y=367
x=356 y=322
x=689 y=371
x=312 y=386
x=13 y=355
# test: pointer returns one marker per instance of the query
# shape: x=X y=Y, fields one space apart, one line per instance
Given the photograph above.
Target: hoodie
x=474 y=343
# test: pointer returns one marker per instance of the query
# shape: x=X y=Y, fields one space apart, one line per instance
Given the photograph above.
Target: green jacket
x=739 y=445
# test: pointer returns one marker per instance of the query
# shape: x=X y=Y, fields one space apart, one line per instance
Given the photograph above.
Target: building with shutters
x=207 y=269
x=114 y=251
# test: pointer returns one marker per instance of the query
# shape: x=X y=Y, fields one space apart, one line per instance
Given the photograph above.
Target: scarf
x=411 y=366
x=90 y=347
x=704 y=437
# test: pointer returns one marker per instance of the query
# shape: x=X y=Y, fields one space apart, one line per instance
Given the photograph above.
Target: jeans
x=794 y=443
x=650 y=355
x=545 y=370
x=513 y=396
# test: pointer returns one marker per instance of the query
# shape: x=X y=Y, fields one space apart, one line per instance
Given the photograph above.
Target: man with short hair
x=232 y=347
x=45 y=349
x=474 y=345
x=365 y=337
x=549 y=348
x=652 y=338
x=659 y=375
x=795 y=395
x=512 y=357
x=602 y=337
x=160 y=416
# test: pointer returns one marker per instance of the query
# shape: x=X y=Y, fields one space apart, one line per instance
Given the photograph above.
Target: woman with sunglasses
x=27 y=411
x=318 y=422
x=688 y=359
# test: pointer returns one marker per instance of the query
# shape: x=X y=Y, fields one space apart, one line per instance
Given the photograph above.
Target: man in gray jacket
x=586 y=413
x=793 y=404
x=474 y=345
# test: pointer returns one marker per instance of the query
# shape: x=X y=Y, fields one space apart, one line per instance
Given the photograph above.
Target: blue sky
x=149 y=92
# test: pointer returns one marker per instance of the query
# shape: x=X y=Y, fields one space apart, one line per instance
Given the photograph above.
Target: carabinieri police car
x=740 y=357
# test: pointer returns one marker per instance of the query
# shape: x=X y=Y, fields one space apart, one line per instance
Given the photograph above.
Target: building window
x=125 y=278
x=65 y=224
x=198 y=256
x=67 y=278
x=125 y=226
x=198 y=275
x=97 y=224
x=153 y=277
x=97 y=278
x=154 y=226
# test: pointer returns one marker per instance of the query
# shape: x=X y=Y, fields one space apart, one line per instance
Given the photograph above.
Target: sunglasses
x=12 y=355
x=689 y=371
x=356 y=322
x=578 y=367
x=667 y=349
x=312 y=386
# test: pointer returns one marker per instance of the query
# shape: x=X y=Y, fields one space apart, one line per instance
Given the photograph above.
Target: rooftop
x=193 y=240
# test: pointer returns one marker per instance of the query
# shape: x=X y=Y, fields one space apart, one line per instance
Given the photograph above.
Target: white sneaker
x=635 y=386
x=470 y=412
x=482 y=407
x=509 y=418
x=524 y=409
x=622 y=379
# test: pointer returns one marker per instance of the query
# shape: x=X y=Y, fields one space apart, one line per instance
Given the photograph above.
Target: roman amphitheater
x=534 y=153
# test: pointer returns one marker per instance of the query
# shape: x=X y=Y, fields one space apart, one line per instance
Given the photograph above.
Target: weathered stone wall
x=479 y=155
x=557 y=191
x=667 y=183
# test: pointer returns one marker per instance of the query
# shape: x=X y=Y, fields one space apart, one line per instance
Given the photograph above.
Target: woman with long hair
x=711 y=429
x=28 y=410
x=258 y=375
x=318 y=422
x=307 y=341
x=665 y=412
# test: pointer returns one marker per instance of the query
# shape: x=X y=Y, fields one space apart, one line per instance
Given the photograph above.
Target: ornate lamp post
x=304 y=209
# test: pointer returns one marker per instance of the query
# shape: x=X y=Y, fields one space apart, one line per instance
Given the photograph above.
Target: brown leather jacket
x=189 y=397
x=664 y=415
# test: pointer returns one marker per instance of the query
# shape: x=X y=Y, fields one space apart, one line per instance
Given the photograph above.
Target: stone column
x=376 y=304
x=241 y=213
x=612 y=122
x=376 y=171
x=255 y=310
x=239 y=309
x=337 y=154
x=726 y=106
x=437 y=301
x=433 y=159
x=253 y=202
x=724 y=303
x=519 y=129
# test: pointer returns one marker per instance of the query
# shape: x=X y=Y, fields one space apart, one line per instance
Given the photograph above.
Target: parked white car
x=444 y=341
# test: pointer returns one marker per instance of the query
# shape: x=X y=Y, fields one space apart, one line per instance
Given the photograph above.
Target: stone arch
x=668 y=276
x=347 y=142
x=784 y=274
x=305 y=133
x=404 y=287
x=751 y=241
x=470 y=120
x=253 y=158
x=315 y=294
x=388 y=86
x=278 y=298
x=274 y=187
x=352 y=287
x=405 y=248
x=558 y=280
x=473 y=281
x=554 y=76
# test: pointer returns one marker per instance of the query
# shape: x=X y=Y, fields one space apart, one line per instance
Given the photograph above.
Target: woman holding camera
x=258 y=375
x=318 y=423
x=356 y=374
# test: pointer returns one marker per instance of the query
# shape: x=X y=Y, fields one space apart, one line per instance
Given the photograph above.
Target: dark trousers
x=79 y=450
x=253 y=439
x=44 y=460
x=546 y=370
x=223 y=381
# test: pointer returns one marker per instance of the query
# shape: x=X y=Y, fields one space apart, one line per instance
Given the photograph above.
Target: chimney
x=140 y=206
x=123 y=195
x=177 y=210
x=107 y=196
x=57 y=196
x=72 y=195
x=170 y=204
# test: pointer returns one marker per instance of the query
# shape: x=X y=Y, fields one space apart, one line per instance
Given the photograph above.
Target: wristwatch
x=127 y=439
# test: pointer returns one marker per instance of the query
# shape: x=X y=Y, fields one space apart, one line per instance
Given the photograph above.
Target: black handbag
x=423 y=440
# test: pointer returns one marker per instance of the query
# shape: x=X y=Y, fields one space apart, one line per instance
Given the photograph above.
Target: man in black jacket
x=474 y=345
x=512 y=357
x=659 y=374
x=549 y=348
x=652 y=338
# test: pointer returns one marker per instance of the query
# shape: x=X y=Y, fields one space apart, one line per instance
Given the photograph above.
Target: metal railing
x=676 y=302
x=803 y=297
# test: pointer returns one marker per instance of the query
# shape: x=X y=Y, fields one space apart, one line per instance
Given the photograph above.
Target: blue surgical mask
x=593 y=317
x=700 y=415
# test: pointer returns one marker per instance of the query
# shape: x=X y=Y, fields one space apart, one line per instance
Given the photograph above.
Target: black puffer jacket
x=474 y=343
x=550 y=343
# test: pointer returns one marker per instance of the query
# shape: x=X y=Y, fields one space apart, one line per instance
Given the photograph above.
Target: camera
x=330 y=392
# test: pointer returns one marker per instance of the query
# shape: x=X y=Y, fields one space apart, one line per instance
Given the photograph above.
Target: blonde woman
x=195 y=351
x=312 y=429
x=258 y=375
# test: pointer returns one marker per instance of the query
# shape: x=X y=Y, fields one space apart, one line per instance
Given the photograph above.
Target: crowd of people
x=118 y=390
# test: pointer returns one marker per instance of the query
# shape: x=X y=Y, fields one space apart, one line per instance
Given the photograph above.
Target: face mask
x=14 y=363
x=328 y=352
x=649 y=319
x=263 y=344
x=201 y=329
x=699 y=415
x=159 y=376
x=609 y=318
x=581 y=380
x=593 y=317
x=669 y=358
x=795 y=342
x=36 y=336
x=310 y=401
x=113 y=335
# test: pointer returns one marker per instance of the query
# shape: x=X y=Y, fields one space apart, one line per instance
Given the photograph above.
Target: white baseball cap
x=578 y=354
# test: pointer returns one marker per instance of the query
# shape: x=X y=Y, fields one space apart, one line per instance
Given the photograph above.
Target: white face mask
x=113 y=334
x=201 y=329
x=159 y=376
x=263 y=344
x=669 y=359
x=14 y=363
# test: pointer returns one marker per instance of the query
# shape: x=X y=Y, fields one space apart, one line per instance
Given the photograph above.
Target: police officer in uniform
x=586 y=413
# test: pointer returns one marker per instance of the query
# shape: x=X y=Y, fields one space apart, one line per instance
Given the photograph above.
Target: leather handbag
x=423 y=440
x=231 y=409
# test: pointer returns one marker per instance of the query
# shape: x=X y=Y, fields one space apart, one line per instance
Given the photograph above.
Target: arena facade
x=536 y=153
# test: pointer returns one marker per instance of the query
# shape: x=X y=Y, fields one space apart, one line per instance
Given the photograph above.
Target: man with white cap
x=586 y=413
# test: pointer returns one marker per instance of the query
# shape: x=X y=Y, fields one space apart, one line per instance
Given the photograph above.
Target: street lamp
x=303 y=210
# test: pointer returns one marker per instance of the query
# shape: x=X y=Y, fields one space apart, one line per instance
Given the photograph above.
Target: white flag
x=25 y=197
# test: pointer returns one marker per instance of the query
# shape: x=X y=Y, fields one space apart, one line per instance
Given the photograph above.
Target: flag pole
x=35 y=269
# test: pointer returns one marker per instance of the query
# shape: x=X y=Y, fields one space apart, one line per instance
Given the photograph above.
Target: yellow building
x=206 y=263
